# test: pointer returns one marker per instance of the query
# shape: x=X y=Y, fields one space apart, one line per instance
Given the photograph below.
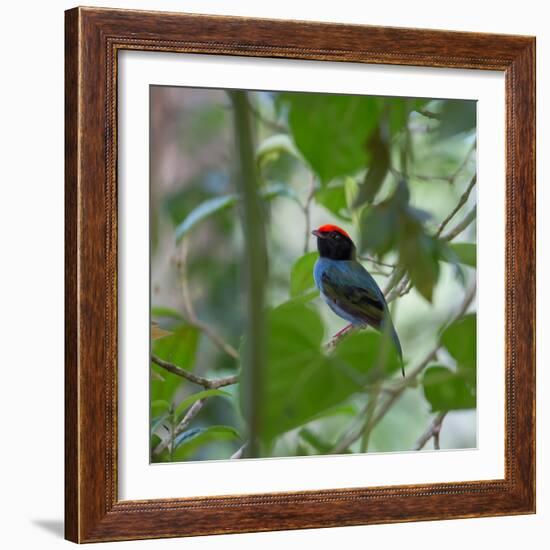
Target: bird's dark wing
x=356 y=293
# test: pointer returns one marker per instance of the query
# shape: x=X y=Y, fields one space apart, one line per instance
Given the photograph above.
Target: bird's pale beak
x=317 y=233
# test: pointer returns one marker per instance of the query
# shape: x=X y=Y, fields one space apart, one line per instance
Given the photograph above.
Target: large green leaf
x=379 y=149
x=331 y=131
x=419 y=252
x=178 y=348
x=395 y=224
x=460 y=339
x=333 y=198
x=301 y=381
x=204 y=210
x=301 y=275
x=272 y=147
x=366 y=353
x=278 y=189
x=159 y=406
x=446 y=390
x=218 y=204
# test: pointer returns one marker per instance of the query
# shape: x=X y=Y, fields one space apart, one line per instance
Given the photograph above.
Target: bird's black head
x=334 y=243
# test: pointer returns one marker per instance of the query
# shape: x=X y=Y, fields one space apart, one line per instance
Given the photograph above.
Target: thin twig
x=208 y=383
x=404 y=287
x=333 y=342
x=367 y=427
x=460 y=227
x=375 y=261
x=239 y=453
x=461 y=202
x=456 y=173
x=433 y=431
x=450 y=179
x=176 y=430
x=190 y=313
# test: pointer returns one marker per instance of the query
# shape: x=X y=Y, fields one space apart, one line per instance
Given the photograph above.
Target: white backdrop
x=31 y=218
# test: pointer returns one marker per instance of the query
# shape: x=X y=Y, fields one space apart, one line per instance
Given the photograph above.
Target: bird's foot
x=339 y=335
x=343 y=331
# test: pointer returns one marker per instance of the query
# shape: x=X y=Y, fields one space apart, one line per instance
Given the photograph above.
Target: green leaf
x=465 y=252
x=212 y=433
x=218 y=204
x=364 y=352
x=301 y=275
x=272 y=147
x=186 y=436
x=188 y=401
x=338 y=410
x=300 y=381
x=277 y=189
x=460 y=340
x=159 y=406
x=162 y=311
x=419 y=253
x=351 y=190
x=446 y=390
x=323 y=447
x=333 y=198
x=178 y=348
x=203 y=211
x=378 y=168
x=395 y=224
x=457 y=116
x=331 y=131
x=190 y=441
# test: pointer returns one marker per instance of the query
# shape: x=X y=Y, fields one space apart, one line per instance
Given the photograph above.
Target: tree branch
x=375 y=261
x=461 y=202
x=255 y=270
x=175 y=431
x=459 y=228
x=433 y=431
x=450 y=179
x=239 y=452
x=208 y=383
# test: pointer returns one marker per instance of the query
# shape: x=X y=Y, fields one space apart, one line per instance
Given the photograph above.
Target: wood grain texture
x=93 y=38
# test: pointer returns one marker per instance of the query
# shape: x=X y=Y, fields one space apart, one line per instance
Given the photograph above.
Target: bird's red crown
x=329 y=227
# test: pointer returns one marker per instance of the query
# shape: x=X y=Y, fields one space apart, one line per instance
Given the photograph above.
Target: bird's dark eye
x=336 y=235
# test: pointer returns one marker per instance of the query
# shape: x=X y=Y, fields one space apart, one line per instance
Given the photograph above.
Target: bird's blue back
x=351 y=273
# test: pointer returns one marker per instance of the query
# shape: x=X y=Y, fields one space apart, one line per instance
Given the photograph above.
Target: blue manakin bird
x=347 y=287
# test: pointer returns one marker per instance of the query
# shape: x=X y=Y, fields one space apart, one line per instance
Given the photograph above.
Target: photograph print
x=368 y=206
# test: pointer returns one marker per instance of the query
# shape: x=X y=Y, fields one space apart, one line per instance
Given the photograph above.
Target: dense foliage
x=399 y=175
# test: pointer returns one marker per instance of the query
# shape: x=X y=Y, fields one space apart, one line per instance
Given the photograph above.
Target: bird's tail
x=395 y=339
x=397 y=344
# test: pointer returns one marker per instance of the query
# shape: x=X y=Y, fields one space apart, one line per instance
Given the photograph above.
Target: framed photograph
x=300 y=275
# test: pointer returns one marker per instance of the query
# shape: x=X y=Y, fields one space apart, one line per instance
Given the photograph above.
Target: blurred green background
x=399 y=175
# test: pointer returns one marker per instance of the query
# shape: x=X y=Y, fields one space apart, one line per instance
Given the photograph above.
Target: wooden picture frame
x=93 y=511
